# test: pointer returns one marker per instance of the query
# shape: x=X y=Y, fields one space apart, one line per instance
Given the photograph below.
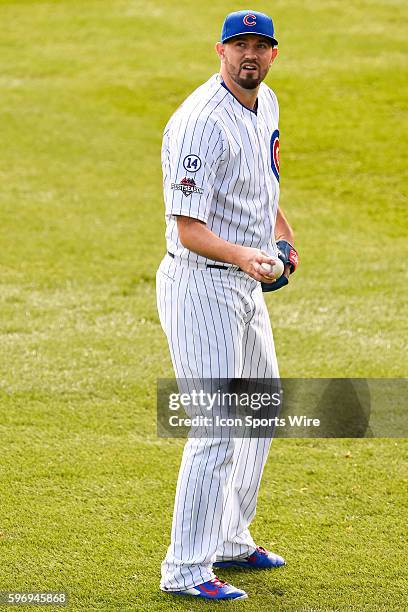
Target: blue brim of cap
x=273 y=40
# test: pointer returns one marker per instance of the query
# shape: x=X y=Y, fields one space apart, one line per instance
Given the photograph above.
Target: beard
x=248 y=80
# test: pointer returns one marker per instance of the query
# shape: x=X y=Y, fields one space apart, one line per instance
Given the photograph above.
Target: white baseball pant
x=217 y=326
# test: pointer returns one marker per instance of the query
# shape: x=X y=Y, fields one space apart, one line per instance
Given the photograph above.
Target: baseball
x=273 y=270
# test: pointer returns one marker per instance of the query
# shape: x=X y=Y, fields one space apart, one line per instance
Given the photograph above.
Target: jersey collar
x=251 y=110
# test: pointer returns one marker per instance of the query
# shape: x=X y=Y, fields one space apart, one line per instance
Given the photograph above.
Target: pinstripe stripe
x=215 y=515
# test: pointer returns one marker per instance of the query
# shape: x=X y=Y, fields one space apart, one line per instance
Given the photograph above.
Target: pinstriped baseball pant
x=217 y=326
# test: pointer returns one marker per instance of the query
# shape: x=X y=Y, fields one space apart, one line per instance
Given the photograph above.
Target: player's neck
x=247 y=97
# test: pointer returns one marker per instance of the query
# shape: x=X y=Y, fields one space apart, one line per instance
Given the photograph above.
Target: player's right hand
x=250 y=260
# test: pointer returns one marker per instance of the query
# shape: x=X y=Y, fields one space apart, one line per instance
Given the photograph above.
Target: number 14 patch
x=192 y=163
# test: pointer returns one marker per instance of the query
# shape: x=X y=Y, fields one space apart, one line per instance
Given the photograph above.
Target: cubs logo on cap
x=248 y=22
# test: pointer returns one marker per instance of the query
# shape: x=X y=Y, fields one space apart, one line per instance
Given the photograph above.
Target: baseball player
x=220 y=158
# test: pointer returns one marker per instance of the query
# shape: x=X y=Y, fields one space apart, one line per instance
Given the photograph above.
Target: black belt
x=208 y=265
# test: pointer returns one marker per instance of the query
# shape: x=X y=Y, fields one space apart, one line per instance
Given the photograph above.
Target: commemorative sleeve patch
x=192 y=163
x=187 y=186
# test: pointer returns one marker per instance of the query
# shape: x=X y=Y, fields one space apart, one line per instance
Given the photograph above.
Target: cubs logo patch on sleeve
x=275 y=154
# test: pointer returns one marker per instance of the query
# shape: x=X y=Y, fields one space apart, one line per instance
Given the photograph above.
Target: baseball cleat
x=213 y=589
x=260 y=559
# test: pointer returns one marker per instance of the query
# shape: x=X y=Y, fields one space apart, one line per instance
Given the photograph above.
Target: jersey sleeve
x=192 y=151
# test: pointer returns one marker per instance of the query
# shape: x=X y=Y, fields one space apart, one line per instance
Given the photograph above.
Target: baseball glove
x=290 y=257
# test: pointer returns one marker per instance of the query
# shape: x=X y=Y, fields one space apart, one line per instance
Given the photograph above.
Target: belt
x=216 y=266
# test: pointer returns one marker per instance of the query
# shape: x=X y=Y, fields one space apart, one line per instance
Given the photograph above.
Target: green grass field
x=86 y=486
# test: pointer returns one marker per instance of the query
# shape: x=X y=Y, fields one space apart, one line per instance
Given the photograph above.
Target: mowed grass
x=86 y=486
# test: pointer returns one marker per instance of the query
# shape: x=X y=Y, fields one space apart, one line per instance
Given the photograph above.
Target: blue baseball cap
x=247 y=22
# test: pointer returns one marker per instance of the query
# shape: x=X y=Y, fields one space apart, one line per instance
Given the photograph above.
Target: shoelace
x=259 y=549
x=217 y=582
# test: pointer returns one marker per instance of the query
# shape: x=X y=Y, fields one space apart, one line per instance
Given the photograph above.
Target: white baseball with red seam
x=274 y=270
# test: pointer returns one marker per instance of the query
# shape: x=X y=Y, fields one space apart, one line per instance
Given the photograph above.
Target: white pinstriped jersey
x=221 y=165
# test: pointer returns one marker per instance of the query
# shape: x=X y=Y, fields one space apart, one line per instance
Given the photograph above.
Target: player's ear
x=220 y=49
x=274 y=53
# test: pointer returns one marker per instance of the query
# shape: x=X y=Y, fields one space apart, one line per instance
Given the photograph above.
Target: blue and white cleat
x=260 y=559
x=213 y=589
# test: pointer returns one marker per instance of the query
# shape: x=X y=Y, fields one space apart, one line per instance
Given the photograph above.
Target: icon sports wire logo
x=285 y=408
x=187 y=186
